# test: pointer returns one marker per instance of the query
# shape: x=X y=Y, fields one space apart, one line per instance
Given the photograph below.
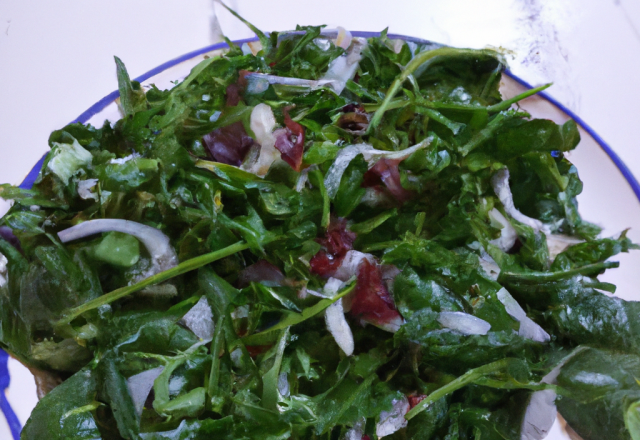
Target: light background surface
x=56 y=60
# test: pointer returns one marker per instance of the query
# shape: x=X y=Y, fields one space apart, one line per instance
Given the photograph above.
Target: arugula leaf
x=132 y=98
x=115 y=392
x=68 y=411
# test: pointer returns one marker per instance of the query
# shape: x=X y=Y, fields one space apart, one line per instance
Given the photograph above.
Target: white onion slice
x=3 y=270
x=344 y=37
x=370 y=154
x=528 y=328
x=262 y=124
x=393 y=420
x=255 y=47
x=557 y=243
x=464 y=323
x=332 y=286
x=500 y=183
x=489 y=266
x=539 y=416
x=344 y=68
x=508 y=234
x=163 y=256
x=200 y=320
x=257 y=82
x=541 y=411
x=357 y=431
x=123 y=160
x=301 y=183
x=140 y=385
x=339 y=327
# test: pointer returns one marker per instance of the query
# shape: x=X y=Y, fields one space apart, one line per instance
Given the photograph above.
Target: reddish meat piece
x=338 y=239
x=353 y=107
x=233 y=95
x=386 y=171
x=325 y=264
x=290 y=141
x=372 y=302
x=337 y=242
x=255 y=350
x=414 y=400
x=228 y=144
x=260 y=271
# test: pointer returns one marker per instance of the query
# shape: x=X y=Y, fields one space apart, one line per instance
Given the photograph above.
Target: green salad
x=317 y=236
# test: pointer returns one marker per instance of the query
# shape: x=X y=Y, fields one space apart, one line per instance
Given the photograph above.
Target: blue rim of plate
x=101 y=104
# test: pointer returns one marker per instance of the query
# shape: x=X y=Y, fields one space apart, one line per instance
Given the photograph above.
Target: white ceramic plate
x=610 y=198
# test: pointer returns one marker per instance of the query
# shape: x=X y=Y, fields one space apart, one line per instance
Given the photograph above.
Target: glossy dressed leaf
x=68 y=412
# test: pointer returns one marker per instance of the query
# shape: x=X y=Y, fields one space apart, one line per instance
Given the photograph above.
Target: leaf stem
x=270 y=378
x=216 y=347
x=506 y=104
x=460 y=382
x=483 y=135
x=543 y=277
x=326 y=203
x=367 y=226
x=186 y=266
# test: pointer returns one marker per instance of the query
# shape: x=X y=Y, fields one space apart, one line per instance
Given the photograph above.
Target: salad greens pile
x=317 y=236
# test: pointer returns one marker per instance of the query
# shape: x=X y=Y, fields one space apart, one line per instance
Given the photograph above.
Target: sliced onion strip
x=163 y=256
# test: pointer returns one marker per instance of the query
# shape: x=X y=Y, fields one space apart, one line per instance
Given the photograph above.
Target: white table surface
x=56 y=60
